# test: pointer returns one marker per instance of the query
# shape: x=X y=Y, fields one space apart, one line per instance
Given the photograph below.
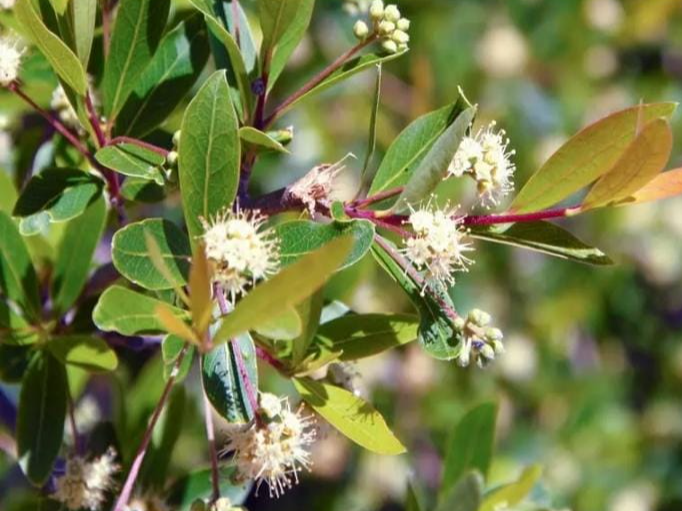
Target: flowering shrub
x=239 y=286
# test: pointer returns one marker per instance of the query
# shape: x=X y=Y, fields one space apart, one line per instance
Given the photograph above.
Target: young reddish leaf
x=644 y=158
x=663 y=186
x=585 y=157
x=174 y=325
x=200 y=287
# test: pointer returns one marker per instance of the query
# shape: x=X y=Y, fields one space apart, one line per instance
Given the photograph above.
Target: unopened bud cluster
x=387 y=25
x=480 y=342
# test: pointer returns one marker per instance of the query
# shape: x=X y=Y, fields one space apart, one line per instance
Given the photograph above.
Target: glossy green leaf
x=436 y=333
x=59 y=193
x=286 y=42
x=259 y=140
x=174 y=69
x=14 y=329
x=61 y=58
x=132 y=160
x=135 y=37
x=309 y=311
x=367 y=175
x=434 y=167
x=74 y=257
x=586 y=156
x=641 y=161
x=90 y=353
x=465 y=496
x=300 y=237
x=547 y=238
x=131 y=257
x=409 y=148
x=512 y=494
x=41 y=415
x=288 y=288
x=351 y=415
x=209 y=153
x=350 y=68
x=224 y=384
x=365 y=335
x=171 y=347
x=130 y=313
x=284 y=327
x=470 y=446
x=18 y=280
x=142 y=190
x=83 y=14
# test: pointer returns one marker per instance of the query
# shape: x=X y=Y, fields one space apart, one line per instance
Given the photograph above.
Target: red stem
x=316 y=80
x=387 y=194
x=128 y=486
x=94 y=121
x=265 y=356
x=509 y=218
x=141 y=143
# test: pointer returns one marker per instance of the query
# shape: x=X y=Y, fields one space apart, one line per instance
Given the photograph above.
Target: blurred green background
x=591 y=384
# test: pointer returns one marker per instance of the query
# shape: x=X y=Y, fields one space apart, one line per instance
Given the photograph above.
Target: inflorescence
x=479 y=342
x=387 y=25
x=85 y=484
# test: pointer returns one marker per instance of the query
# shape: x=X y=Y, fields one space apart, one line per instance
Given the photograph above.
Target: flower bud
x=386 y=27
x=498 y=347
x=360 y=29
x=493 y=334
x=176 y=138
x=391 y=13
x=172 y=158
x=270 y=405
x=400 y=37
x=487 y=352
x=389 y=46
x=459 y=324
x=376 y=10
x=479 y=317
x=403 y=24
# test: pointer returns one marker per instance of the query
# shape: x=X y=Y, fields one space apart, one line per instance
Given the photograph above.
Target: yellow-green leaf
x=663 y=186
x=514 y=493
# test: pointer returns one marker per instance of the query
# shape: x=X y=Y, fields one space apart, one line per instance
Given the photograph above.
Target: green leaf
x=132 y=160
x=18 y=280
x=74 y=256
x=300 y=237
x=142 y=190
x=14 y=329
x=470 y=447
x=285 y=327
x=41 y=415
x=64 y=62
x=350 y=68
x=136 y=36
x=276 y=17
x=288 y=288
x=197 y=486
x=165 y=82
x=309 y=311
x=13 y=362
x=83 y=15
x=436 y=332
x=514 y=493
x=642 y=160
x=89 y=353
x=291 y=36
x=434 y=167
x=9 y=194
x=351 y=415
x=466 y=496
x=412 y=501
x=547 y=238
x=209 y=153
x=261 y=141
x=365 y=335
x=61 y=193
x=223 y=383
x=409 y=148
x=129 y=313
x=586 y=156
x=131 y=257
x=171 y=347
x=367 y=176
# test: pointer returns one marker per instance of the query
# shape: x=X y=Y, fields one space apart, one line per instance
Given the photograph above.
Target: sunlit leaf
x=512 y=494
x=84 y=351
x=132 y=160
x=663 y=186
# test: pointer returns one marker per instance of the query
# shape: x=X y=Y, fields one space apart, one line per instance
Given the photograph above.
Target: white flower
x=316 y=186
x=85 y=484
x=10 y=60
x=6 y=4
x=360 y=29
x=240 y=250
x=438 y=245
x=61 y=105
x=270 y=405
x=486 y=158
x=274 y=450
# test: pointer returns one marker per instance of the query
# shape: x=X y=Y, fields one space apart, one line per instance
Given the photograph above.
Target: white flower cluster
x=439 y=244
x=240 y=250
x=485 y=158
x=85 y=484
x=479 y=341
x=387 y=25
x=7 y=4
x=274 y=449
x=316 y=186
x=10 y=60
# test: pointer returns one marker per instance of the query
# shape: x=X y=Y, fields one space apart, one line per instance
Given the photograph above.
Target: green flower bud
x=172 y=158
x=386 y=27
x=391 y=13
x=402 y=47
x=494 y=334
x=479 y=317
x=400 y=37
x=389 y=46
x=459 y=324
x=487 y=352
x=403 y=24
x=498 y=347
x=176 y=138
x=376 y=10
x=360 y=29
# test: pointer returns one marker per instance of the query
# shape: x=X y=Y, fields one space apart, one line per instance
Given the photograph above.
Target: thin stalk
x=509 y=218
x=387 y=194
x=94 y=121
x=210 y=436
x=129 y=484
x=140 y=143
x=265 y=356
x=316 y=80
